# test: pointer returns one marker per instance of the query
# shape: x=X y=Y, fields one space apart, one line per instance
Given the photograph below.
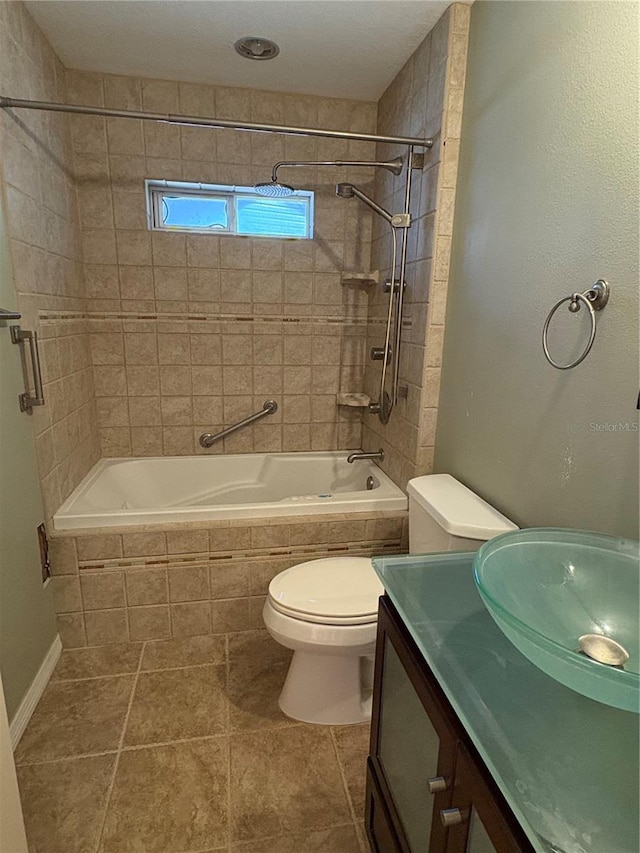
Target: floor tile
x=178 y=703
x=98 y=661
x=340 y=839
x=168 y=799
x=352 y=743
x=257 y=670
x=285 y=781
x=63 y=803
x=76 y=718
x=188 y=651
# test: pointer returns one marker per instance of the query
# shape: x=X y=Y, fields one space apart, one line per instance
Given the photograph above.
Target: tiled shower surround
x=117 y=585
x=149 y=338
x=37 y=180
x=192 y=332
x=425 y=97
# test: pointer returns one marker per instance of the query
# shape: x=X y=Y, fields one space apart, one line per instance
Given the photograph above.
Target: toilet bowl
x=326 y=610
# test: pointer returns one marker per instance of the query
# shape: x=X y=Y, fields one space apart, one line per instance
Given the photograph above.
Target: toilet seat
x=328 y=591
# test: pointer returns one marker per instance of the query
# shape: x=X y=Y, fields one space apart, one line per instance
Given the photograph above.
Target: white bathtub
x=120 y=492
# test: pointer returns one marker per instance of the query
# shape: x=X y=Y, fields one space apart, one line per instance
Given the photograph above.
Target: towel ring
x=595 y=299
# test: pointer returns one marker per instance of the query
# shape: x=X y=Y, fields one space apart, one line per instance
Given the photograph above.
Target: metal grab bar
x=28 y=400
x=207 y=439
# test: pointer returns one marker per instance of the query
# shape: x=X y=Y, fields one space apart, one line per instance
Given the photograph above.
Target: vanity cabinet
x=428 y=791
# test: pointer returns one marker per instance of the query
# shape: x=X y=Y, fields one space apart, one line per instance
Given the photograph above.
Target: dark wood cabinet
x=428 y=790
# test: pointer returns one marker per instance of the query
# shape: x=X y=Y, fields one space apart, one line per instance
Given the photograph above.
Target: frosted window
x=219 y=209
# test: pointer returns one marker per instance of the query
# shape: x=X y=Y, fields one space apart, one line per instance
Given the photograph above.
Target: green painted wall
x=547 y=203
x=27 y=621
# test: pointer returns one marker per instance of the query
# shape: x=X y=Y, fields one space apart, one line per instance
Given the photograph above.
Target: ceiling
x=336 y=48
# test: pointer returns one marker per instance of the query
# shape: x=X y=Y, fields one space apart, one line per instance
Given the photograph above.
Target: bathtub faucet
x=377 y=454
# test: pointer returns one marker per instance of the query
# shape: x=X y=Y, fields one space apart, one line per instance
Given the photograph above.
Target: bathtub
x=121 y=492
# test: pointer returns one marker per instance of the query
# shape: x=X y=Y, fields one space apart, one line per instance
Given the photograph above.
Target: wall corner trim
x=32 y=696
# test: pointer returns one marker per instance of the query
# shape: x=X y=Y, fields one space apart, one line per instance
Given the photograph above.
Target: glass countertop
x=567 y=765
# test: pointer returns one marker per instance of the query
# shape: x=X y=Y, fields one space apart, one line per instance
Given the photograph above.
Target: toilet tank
x=444 y=515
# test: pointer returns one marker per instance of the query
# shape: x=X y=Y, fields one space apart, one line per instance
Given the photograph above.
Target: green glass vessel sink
x=569 y=600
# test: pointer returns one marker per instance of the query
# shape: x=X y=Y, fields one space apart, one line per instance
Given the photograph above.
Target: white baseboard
x=32 y=696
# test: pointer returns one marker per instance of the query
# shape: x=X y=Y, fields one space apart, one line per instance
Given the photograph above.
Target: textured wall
x=193 y=332
x=547 y=203
x=425 y=99
x=44 y=236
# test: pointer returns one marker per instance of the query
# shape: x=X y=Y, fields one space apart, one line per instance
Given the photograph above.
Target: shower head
x=273 y=189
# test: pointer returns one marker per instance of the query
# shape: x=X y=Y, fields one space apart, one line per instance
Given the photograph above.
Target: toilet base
x=331 y=690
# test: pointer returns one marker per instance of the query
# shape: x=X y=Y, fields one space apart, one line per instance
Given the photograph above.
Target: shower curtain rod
x=168 y=118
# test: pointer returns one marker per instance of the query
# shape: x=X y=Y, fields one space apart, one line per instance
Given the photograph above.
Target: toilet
x=326 y=610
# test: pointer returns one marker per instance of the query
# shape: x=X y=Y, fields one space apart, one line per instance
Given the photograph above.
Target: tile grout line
x=112 y=675
x=119 y=752
x=81 y=756
x=135 y=747
x=228 y=676
x=352 y=811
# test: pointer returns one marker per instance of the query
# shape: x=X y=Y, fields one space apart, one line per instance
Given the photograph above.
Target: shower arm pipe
x=292 y=163
x=201 y=121
x=373 y=205
x=403 y=269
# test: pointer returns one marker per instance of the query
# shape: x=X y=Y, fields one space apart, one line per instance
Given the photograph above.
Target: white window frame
x=155 y=190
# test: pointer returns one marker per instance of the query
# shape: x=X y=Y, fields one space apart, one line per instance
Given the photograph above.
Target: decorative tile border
x=177 y=561
x=317 y=320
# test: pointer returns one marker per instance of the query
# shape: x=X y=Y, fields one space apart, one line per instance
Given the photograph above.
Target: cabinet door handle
x=451 y=817
x=437 y=784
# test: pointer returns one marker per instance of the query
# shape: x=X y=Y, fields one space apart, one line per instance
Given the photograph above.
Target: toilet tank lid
x=457 y=509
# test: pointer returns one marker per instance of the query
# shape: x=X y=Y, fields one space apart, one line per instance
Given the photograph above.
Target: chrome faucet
x=377 y=454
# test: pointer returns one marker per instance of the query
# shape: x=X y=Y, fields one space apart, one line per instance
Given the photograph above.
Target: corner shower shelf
x=360 y=278
x=355 y=401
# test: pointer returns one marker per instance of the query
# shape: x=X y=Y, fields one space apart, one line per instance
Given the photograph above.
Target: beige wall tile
x=66 y=593
x=122 y=93
x=190 y=583
x=71 y=630
x=146 y=586
x=102 y=591
x=187 y=541
x=143 y=544
x=230 y=579
x=149 y=623
x=338 y=531
x=178 y=441
x=270 y=536
x=233 y=614
x=113 y=411
x=107 y=547
x=104 y=627
x=145 y=411
x=115 y=441
x=63 y=556
x=190 y=619
x=229 y=538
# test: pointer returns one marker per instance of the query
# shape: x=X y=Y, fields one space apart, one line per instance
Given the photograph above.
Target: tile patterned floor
x=178 y=746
